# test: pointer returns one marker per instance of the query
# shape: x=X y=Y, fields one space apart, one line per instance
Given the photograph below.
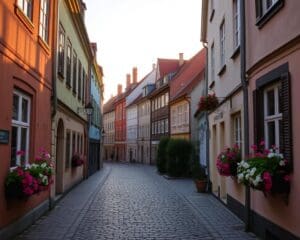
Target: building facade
x=70 y=122
x=159 y=98
x=221 y=31
x=27 y=45
x=273 y=73
x=109 y=130
x=181 y=112
x=95 y=121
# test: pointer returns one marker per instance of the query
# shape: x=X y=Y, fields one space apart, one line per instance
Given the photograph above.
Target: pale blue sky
x=136 y=32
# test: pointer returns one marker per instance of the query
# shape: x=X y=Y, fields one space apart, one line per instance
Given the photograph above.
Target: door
x=59 y=157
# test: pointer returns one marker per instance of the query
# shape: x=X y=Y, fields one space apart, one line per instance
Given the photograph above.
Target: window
x=222 y=44
x=68 y=142
x=84 y=78
x=74 y=72
x=162 y=101
x=167 y=125
x=26 y=7
x=236 y=23
x=79 y=79
x=212 y=62
x=272 y=116
x=74 y=143
x=61 y=51
x=20 y=129
x=186 y=114
x=78 y=143
x=266 y=9
x=167 y=98
x=69 y=53
x=44 y=20
x=237 y=130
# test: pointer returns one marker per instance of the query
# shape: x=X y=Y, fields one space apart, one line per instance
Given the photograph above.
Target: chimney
x=127 y=80
x=134 y=75
x=153 y=66
x=119 y=89
x=181 y=60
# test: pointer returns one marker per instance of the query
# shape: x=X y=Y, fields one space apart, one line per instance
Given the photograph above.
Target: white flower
x=41 y=175
x=44 y=165
x=271 y=154
x=245 y=165
x=257 y=180
x=247 y=176
x=282 y=163
x=45 y=180
x=253 y=170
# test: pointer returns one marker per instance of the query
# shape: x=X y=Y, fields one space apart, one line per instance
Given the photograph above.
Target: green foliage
x=161 y=160
x=179 y=153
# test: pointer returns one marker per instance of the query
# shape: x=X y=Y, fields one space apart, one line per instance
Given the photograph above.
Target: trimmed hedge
x=179 y=153
x=161 y=161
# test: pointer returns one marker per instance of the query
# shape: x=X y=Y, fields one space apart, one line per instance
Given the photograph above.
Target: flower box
x=77 y=160
x=227 y=161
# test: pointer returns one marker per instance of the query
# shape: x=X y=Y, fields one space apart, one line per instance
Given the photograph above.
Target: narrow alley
x=131 y=201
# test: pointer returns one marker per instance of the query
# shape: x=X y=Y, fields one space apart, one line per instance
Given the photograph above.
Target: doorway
x=59 y=157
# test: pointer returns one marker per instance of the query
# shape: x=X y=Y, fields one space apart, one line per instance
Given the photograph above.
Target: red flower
x=20 y=152
x=267 y=181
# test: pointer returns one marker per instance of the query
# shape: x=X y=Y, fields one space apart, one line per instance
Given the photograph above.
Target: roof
x=188 y=76
x=110 y=105
x=166 y=66
x=136 y=100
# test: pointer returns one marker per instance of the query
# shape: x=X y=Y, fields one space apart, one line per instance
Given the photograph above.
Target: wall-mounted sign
x=4 y=136
x=218 y=116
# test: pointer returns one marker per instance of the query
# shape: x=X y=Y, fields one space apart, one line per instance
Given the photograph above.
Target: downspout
x=54 y=58
x=206 y=118
x=244 y=83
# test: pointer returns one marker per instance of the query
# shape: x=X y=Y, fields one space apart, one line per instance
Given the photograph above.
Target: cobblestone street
x=125 y=201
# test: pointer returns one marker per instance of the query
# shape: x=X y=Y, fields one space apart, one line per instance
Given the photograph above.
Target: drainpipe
x=54 y=59
x=206 y=119
x=244 y=83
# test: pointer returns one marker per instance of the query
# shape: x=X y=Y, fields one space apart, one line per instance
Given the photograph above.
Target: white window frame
x=276 y=118
x=236 y=23
x=264 y=5
x=237 y=129
x=222 y=43
x=19 y=124
x=27 y=7
x=44 y=20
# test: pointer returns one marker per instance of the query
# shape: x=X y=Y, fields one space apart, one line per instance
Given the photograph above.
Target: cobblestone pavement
x=126 y=201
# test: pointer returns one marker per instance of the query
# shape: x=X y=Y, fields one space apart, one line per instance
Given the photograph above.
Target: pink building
x=272 y=65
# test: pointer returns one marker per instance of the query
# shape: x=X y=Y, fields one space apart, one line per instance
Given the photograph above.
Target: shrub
x=161 y=160
x=179 y=152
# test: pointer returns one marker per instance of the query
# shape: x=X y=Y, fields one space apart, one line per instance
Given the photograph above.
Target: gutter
x=244 y=83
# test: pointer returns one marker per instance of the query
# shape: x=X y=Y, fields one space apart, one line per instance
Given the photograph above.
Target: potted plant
x=208 y=103
x=200 y=177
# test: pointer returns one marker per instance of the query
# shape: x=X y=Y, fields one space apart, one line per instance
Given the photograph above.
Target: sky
x=134 y=33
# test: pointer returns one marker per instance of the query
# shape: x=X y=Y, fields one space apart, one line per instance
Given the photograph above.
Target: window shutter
x=258 y=8
x=258 y=110
x=286 y=129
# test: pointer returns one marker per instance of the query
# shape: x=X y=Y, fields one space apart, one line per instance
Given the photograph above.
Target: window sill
x=24 y=19
x=222 y=70
x=212 y=14
x=236 y=52
x=44 y=45
x=262 y=20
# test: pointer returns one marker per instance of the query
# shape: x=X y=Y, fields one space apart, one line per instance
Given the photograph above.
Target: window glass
x=15 y=107
x=270 y=102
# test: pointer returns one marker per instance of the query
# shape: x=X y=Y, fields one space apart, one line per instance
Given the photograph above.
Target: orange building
x=26 y=43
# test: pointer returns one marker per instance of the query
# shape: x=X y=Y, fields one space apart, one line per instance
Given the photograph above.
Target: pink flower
x=38 y=159
x=287 y=178
x=21 y=152
x=262 y=143
x=254 y=147
x=267 y=181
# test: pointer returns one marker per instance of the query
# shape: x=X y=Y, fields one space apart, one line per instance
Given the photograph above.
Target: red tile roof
x=166 y=66
x=188 y=76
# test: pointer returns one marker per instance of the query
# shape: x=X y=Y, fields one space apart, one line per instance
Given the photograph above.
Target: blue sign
x=4 y=136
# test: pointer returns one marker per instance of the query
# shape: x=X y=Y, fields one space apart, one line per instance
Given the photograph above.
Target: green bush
x=179 y=153
x=161 y=160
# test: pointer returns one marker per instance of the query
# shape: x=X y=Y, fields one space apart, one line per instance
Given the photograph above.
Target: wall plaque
x=4 y=136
